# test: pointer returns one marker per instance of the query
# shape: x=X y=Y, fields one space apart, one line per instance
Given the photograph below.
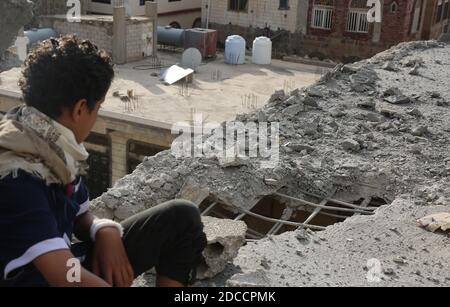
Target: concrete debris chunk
x=395 y=96
x=350 y=145
x=415 y=70
x=193 y=192
x=257 y=278
x=293 y=110
x=419 y=131
x=392 y=91
x=225 y=238
x=311 y=102
x=315 y=92
x=367 y=105
x=363 y=80
x=390 y=66
x=414 y=112
x=390 y=113
x=337 y=112
x=277 y=96
x=434 y=222
x=300 y=147
x=411 y=62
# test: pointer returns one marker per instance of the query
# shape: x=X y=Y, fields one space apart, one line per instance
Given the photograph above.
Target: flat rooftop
x=219 y=91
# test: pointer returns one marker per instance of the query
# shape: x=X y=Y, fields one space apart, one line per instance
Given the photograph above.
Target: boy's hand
x=110 y=260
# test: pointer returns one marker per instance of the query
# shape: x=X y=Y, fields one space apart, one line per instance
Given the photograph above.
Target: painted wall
x=260 y=14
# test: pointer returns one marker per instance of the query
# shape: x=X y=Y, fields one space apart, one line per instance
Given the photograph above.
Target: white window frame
x=326 y=21
x=358 y=21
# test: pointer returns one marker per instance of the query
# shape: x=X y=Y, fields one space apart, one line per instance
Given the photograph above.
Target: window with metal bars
x=322 y=18
x=322 y=14
x=357 y=22
x=357 y=17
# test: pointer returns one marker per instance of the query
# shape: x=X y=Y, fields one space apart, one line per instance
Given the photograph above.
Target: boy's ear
x=77 y=109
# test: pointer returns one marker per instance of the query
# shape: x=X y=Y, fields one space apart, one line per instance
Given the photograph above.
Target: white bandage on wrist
x=98 y=224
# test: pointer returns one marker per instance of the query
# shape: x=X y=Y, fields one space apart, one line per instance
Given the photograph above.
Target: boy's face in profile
x=81 y=119
x=88 y=122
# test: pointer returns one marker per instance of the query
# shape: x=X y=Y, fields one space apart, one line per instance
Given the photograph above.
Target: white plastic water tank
x=262 y=51
x=235 y=50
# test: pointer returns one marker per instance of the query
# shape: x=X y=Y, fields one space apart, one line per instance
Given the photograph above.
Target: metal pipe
x=254 y=232
x=335 y=215
x=323 y=207
x=209 y=209
x=268 y=219
x=286 y=216
x=339 y=202
x=316 y=211
x=239 y=217
x=365 y=203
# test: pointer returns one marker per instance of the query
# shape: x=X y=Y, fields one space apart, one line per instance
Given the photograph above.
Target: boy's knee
x=183 y=211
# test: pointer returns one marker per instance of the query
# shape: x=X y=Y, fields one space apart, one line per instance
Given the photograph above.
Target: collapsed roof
x=377 y=128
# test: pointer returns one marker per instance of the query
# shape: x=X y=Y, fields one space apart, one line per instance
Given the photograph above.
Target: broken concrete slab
x=225 y=238
x=363 y=80
x=390 y=66
x=193 y=192
x=436 y=221
x=256 y=278
x=351 y=145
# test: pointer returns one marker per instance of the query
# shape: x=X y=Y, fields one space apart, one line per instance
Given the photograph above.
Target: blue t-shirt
x=35 y=218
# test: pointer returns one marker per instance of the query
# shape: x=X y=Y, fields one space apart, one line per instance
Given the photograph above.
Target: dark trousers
x=168 y=237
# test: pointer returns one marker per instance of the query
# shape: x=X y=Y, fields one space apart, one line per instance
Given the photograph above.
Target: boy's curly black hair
x=60 y=72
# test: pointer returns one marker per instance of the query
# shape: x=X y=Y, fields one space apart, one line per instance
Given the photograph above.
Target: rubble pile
x=376 y=128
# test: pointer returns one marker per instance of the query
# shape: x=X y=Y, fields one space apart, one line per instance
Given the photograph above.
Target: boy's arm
x=110 y=259
x=54 y=267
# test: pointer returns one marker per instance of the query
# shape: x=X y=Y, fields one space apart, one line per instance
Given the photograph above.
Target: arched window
x=357 y=17
x=416 y=16
x=394 y=7
x=322 y=14
x=359 y=4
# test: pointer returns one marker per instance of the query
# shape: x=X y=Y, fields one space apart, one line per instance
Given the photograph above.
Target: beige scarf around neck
x=33 y=142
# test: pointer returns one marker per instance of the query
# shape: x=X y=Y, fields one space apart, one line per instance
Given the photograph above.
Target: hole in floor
x=279 y=213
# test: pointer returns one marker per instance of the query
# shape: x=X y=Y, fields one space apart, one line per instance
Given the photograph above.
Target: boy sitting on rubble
x=44 y=201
